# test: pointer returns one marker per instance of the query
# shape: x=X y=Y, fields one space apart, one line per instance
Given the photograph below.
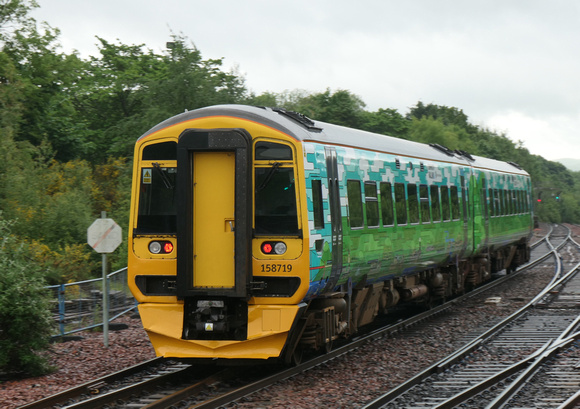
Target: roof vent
x=464 y=154
x=442 y=148
x=515 y=165
x=298 y=117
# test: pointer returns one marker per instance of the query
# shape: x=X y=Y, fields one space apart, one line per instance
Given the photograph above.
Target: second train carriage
x=258 y=233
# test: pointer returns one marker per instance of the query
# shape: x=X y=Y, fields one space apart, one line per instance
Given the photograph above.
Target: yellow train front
x=219 y=258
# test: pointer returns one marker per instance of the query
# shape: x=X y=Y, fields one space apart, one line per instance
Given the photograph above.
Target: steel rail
x=475 y=343
x=256 y=386
x=91 y=387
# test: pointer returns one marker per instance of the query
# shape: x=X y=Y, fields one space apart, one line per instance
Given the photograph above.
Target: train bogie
x=257 y=233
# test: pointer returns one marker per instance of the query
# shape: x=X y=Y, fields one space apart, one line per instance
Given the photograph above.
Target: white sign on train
x=104 y=235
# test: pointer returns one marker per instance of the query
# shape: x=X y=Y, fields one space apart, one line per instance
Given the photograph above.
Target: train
x=260 y=234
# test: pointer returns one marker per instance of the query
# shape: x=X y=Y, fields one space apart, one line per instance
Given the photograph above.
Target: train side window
x=424 y=200
x=400 y=203
x=505 y=207
x=413 y=200
x=445 y=207
x=371 y=204
x=387 y=204
x=497 y=200
x=435 y=203
x=272 y=151
x=317 y=205
x=464 y=198
x=491 y=203
x=484 y=205
x=455 y=212
x=354 y=203
x=526 y=201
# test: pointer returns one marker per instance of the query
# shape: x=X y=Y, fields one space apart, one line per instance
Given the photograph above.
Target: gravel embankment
x=347 y=382
x=81 y=361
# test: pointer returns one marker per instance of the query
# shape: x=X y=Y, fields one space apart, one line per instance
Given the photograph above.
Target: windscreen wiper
x=163 y=175
x=269 y=176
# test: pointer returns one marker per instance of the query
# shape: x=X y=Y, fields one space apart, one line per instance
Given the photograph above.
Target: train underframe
x=340 y=314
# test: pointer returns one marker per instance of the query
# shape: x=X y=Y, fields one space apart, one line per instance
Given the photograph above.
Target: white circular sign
x=104 y=235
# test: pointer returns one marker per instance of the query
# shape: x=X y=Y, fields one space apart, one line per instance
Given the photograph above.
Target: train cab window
x=160 y=151
x=387 y=204
x=445 y=206
x=435 y=203
x=275 y=201
x=400 y=203
x=371 y=204
x=157 y=207
x=272 y=151
x=413 y=201
x=354 y=203
x=317 y=204
x=455 y=212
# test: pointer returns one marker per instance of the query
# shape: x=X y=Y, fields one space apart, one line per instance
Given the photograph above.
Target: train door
x=213 y=219
x=214 y=213
x=335 y=216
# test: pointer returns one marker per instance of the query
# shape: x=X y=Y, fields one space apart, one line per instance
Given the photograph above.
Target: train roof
x=304 y=129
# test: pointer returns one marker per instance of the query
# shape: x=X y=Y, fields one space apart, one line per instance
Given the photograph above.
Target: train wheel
x=328 y=347
x=297 y=355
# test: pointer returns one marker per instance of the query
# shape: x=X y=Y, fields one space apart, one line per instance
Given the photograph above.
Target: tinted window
x=387 y=204
x=160 y=151
x=435 y=203
x=491 y=203
x=157 y=201
x=455 y=212
x=354 y=203
x=372 y=204
x=317 y=204
x=400 y=203
x=445 y=206
x=424 y=199
x=413 y=201
x=271 y=151
x=275 y=201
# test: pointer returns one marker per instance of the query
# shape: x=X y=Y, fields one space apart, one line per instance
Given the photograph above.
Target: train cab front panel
x=218 y=261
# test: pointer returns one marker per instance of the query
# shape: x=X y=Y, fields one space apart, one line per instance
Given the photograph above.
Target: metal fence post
x=61 y=308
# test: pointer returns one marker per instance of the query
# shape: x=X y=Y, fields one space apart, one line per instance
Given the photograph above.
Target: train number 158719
x=276 y=268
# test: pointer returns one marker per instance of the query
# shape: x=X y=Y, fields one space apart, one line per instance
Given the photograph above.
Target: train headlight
x=277 y=247
x=280 y=248
x=161 y=247
x=155 y=247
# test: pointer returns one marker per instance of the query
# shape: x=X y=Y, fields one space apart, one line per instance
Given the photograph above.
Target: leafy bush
x=25 y=321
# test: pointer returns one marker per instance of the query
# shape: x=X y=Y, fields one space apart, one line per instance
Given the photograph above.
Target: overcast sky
x=510 y=65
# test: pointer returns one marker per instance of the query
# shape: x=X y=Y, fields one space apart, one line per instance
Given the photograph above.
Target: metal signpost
x=104 y=236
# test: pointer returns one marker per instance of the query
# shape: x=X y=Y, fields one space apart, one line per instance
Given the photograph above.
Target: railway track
x=221 y=387
x=529 y=360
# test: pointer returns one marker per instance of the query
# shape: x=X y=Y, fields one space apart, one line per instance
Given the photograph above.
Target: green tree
x=24 y=309
x=387 y=122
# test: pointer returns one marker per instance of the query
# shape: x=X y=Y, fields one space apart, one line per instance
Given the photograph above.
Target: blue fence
x=78 y=306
